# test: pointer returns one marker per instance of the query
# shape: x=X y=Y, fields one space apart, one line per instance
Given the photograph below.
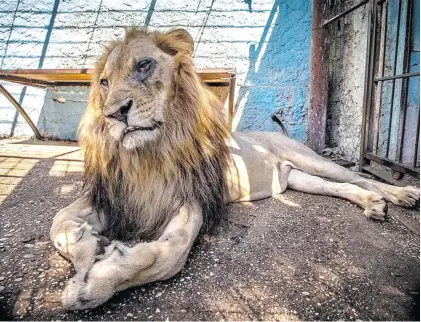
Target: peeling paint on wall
x=346 y=71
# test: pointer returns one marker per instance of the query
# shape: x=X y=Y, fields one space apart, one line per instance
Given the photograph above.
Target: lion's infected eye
x=144 y=66
x=103 y=82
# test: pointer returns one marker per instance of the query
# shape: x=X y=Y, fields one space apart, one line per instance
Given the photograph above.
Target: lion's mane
x=141 y=190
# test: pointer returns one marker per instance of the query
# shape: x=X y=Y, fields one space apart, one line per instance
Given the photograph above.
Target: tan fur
x=194 y=117
x=175 y=173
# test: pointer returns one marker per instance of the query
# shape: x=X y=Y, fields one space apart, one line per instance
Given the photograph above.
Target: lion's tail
x=276 y=119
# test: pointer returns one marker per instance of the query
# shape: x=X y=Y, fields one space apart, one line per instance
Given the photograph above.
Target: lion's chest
x=149 y=192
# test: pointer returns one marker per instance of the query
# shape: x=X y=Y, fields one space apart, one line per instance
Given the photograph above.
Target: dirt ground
x=294 y=257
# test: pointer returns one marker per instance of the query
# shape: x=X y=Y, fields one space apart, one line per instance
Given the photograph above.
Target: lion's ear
x=178 y=40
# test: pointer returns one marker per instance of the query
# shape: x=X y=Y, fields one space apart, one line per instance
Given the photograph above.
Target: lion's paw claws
x=79 y=294
x=376 y=209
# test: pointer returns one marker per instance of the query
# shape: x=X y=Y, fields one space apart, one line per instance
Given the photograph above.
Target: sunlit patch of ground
x=12 y=170
x=18 y=157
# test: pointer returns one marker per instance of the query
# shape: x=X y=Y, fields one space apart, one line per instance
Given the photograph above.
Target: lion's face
x=135 y=85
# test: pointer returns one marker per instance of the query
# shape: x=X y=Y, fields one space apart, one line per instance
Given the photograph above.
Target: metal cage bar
x=393 y=77
x=367 y=156
x=369 y=75
x=405 y=92
x=395 y=63
x=344 y=13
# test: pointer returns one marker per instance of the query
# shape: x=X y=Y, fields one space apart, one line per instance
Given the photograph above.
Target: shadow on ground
x=295 y=257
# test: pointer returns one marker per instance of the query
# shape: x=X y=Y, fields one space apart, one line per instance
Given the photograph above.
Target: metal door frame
x=367 y=156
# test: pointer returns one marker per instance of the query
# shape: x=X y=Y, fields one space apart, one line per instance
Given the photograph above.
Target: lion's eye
x=103 y=82
x=144 y=66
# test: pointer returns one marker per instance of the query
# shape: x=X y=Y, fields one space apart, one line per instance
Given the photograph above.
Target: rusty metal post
x=316 y=132
x=368 y=84
x=21 y=111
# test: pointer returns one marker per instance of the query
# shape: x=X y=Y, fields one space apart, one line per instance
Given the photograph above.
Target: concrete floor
x=295 y=257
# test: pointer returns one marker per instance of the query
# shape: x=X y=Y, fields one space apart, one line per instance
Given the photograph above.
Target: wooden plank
x=386 y=176
x=393 y=164
x=211 y=75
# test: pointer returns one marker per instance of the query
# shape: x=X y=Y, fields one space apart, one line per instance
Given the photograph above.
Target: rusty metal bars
x=344 y=13
x=365 y=155
x=369 y=75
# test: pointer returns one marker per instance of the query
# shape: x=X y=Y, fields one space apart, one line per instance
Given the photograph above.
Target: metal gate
x=391 y=122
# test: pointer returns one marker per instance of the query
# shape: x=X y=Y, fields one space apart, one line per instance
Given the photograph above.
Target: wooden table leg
x=21 y=111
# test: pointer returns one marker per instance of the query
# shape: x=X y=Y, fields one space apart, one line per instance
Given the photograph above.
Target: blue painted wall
x=267 y=41
x=279 y=75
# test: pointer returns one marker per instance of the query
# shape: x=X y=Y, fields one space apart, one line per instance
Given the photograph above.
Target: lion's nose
x=122 y=112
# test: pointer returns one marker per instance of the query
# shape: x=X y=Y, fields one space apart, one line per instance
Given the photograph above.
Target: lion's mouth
x=155 y=125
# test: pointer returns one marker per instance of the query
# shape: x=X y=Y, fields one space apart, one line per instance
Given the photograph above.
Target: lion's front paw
x=83 y=293
x=96 y=286
x=376 y=208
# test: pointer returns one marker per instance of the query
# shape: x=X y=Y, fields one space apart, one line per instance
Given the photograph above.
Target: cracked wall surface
x=346 y=55
x=267 y=41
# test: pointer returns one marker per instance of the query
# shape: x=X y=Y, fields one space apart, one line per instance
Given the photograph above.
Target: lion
x=161 y=166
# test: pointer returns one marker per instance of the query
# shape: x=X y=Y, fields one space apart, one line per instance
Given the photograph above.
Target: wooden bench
x=220 y=80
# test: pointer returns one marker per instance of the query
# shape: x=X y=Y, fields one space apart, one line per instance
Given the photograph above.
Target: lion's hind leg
x=303 y=158
x=374 y=205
